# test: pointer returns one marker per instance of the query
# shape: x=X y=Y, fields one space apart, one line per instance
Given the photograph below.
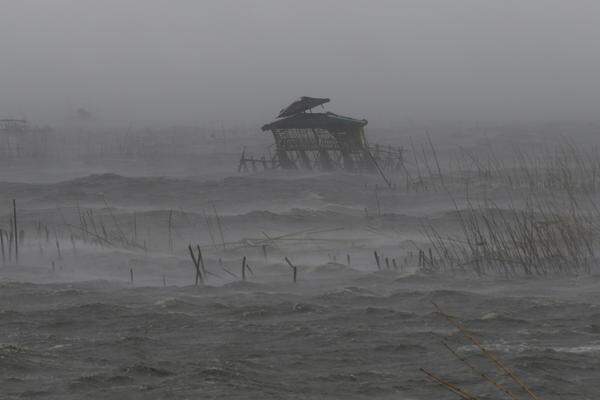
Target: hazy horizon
x=388 y=61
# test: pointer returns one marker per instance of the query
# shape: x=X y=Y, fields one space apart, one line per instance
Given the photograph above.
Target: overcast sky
x=191 y=61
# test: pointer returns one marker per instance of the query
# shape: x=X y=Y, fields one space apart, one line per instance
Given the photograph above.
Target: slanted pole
x=16 y=231
x=377 y=259
x=2 y=245
x=294 y=269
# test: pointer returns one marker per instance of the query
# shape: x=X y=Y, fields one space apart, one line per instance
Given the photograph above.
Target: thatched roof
x=328 y=121
x=301 y=105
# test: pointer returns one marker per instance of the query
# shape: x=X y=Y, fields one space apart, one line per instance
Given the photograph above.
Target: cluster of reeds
x=541 y=237
x=564 y=167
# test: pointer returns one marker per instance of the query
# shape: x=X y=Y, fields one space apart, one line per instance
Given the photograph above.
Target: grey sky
x=205 y=60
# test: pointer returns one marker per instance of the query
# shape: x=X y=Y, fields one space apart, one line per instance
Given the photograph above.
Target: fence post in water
x=387 y=263
x=264 y=250
x=2 y=245
x=201 y=260
x=244 y=269
x=196 y=266
x=58 y=249
x=164 y=281
x=14 y=202
x=377 y=259
x=9 y=238
x=131 y=276
x=294 y=269
x=348 y=259
x=219 y=226
x=430 y=258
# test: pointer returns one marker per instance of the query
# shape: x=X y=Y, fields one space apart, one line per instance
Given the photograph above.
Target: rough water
x=332 y=335
x=74 y=325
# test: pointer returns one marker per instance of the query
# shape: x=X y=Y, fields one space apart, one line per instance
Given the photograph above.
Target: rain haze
x=282 y=200
x=232 y=60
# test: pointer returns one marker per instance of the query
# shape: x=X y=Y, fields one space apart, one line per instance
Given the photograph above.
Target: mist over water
x=192 y=61
x=155 y=243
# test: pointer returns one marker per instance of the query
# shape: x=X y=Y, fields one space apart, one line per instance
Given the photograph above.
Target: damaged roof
x=301 y=105
x=328 y=121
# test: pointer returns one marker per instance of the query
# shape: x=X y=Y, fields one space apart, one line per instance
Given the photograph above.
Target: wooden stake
x=10 y=243
x=219 y=225
x=2 y=246
x=294 y=269
x=483 y=375
x=451 y=387
x=201 y=260
x=377 y=260
x=58 y=248
x=16 y=230
x=244 y=269
x=486 y=353
x=196 y=262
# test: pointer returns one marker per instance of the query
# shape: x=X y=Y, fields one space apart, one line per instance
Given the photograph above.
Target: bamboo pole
x=451 y=387
x=201 y=259
x=244 y=269
x=16 y=230
x=2 y=246
x=482 y=374
x=487 y=354
x=219 y=225
x=294 y=269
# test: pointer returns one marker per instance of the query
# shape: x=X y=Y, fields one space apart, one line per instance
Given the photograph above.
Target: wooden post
x=196 y=262
x=201 y=260
x=164 y=281
x=387 y=263
x=348 y=259
x=58 y=249
x=16 y=230
x=2 y=245
x=377 y=259
x=430 y=258
x=131 y=276
x=394 y=263
x=208 y=226
x=9 y=238
x=73 y=244
x=294 y=269
x=244 y=269
x=264 y=250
